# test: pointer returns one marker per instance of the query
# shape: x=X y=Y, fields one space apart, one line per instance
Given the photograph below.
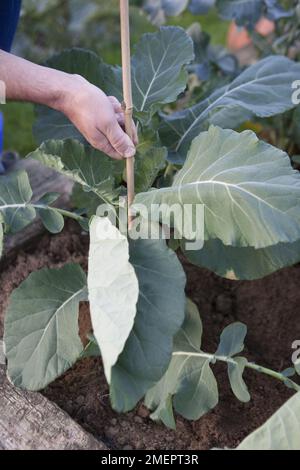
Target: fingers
x=118 y=139
x=120 y=118
x=116 y=104
x=100 y=142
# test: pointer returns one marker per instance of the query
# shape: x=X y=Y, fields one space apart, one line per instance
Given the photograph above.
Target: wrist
x=68 y=87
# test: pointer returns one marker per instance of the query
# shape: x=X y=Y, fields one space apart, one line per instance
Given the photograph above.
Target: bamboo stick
x=127 y=94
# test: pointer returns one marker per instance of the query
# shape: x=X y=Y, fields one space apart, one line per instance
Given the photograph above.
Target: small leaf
x=198 y=390
x=280 y=432
x=246 y=12
x=41 y=326
x=48 y=198
x=232 y=340
x=15 y=197
x=113 y=290
x=91 y=349
x=235 y=374
x=289 y=372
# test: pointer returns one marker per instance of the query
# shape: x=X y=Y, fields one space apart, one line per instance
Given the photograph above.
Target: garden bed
x=269 y=307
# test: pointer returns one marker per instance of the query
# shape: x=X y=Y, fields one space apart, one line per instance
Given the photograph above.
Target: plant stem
x=63 y=212
x=250 y=365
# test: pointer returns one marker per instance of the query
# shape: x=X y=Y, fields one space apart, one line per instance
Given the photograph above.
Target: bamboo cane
x=127 y=94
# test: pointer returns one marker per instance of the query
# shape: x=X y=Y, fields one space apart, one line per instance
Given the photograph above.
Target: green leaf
x=157 y=78
x=189 y=379
x=198 y=390
x=52 y=124
x=83 y=164
x=280 y=432
x=149 y=160
x=248 y=188
x=246 y=262
x=52 y=219
x=15 y=197
x=263 y=89
x=113 y=290
x=157 y=67
x=245 y=12
x=91 y=349
x=41 y=326
x=235 y=374
x=160 y=313
x=232 y=340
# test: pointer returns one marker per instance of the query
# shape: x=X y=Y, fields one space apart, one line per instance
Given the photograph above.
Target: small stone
x=138 y=419
x=114 y=421
x=143 y=412
x=127 y=447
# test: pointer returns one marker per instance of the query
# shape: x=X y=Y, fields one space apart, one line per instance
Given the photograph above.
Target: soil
x=269 y=307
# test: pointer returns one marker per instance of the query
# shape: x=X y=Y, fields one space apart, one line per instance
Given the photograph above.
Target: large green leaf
x=248 y=188
x=41 y=326
x=52 y=124
x=246 y=262
x=15 y=196
x=160 y=313
x=280 y=432
x=189 y=380
x=83 y=164
x=113 y=290
x=263 y=89
x=158 y=77
x=157 y=67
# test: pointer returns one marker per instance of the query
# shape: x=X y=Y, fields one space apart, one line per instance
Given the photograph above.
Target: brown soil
x=269 y=307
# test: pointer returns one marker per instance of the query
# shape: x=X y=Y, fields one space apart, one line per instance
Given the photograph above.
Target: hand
x=99 y=118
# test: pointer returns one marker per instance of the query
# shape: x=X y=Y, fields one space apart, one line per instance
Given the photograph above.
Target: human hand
x=99 y=118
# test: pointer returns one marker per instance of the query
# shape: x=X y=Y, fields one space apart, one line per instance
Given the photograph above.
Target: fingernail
x=130 y=152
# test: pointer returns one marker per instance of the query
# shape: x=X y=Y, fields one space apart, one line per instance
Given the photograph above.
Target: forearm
x=26 y=81
x=98 y=118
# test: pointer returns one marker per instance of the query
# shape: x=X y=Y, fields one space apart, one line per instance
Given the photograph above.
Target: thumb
x=120 y=141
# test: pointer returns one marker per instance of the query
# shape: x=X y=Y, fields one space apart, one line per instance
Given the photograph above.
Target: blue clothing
x=9 y=17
